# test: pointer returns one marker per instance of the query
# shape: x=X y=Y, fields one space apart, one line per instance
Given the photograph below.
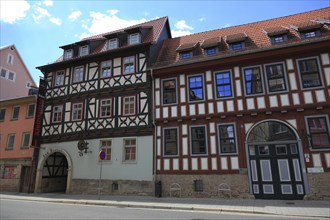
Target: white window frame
x=75 y=109
x=10 y=59
x=113 y=43
x=106 y=105
x=24 y=134
x=78 y=76
x=177 y=142
x=13 y=111
x=83 y=50
x=130 y=146
x=7 y=143
x=4 y=114
x=319 y=69
x=235 y=138
x=129 y=103
x=28 y=108
x=190 y=142
x=105 y=148
x=57 y=111
x=176 y=91
x=128 y=61
x=106 y=65
x=59 y=78
x=68 y=54
x=134 y=38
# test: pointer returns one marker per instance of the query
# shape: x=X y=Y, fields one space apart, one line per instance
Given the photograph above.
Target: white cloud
x=56 y=21
x=12 y=11
x=181 y=25
x=101 y=23
x=202 y=19
x=179 y=33
x=74 y=15
x=226 y=25
x=48 y=3
x=40 y=13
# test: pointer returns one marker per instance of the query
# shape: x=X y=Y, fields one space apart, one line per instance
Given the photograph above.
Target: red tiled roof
x=185 y=47
x=257 y=38
x=236 y=37
x=215 y=41
x=307 y=25
x=272 y=31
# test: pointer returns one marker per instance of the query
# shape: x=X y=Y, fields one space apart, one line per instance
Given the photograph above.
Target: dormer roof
x=236 y=37
x=273 y=31
x=211 y=42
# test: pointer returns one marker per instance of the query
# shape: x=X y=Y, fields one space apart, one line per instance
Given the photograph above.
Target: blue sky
x=39 y=28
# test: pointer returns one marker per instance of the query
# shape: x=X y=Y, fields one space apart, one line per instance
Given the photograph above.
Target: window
x=134 y=39
x=237 y=46
x=2 y=114
x=278 y=39
x=196 y=88
x=169 y=91
x=129 y=65
x=10 y=59
x=25 y=140
x=310 y=34
x=170 y=141
x=3 y=73
x=59 y=78
x=84 y=50
x=253 y=82
x=77 y=111
x=15 y=113
x=198 y=140
x=105 y=108
x=211 y=50
x=129 y=105
x=68 y=54
x=227 y=138
x=223 y=84
x=106 y=69
x=276 y=77
x=30 y=111
x=11 y=76
x=186 y=55
x=10 y=142
x=319 y=133
x=7 y=74
x=78 y=74
x=57 y=113
x=130 y=149
x=309 y=73
x=106 y=147
x=113 y=43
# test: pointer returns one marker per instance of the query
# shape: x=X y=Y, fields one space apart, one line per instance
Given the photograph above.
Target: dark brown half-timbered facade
x=244 y=111
x=99 y=98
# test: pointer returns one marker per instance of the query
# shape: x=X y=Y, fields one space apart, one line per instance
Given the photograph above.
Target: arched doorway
x=54 y=173
x=274 y=160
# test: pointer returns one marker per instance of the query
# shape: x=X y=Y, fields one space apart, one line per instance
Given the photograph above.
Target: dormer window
x=236 y=41
x=134 y=38
x=113 y=43
x=308 y=29
x=68 y=54
x=186 y=55
x=308 y=34
x=211 y=46
x=277 y=39
x=84 y=50
x=277 y=35
x=211 y=50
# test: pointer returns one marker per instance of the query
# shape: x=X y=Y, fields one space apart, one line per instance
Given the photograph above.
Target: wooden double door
x=275 y=171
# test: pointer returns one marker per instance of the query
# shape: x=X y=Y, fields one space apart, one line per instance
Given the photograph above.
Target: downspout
x=154 y=125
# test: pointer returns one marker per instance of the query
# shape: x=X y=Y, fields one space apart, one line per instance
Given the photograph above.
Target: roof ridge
x=276 y=18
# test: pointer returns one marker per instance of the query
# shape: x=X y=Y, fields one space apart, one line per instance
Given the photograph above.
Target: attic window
x=186 y=50
x=277 y=34
x=84 y=50
x=211 y=45
x=236 y=41
x=237 y=45
x=113 y=43
x=211 y=50
x=186 y=55
x=68 y=54
x=134 y=38
x=308 y=29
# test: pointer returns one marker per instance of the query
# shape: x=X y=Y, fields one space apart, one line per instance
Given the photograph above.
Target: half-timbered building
x=98 y=98
x=244 y=111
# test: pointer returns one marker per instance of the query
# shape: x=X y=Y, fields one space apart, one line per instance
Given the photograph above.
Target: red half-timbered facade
x=244 y=110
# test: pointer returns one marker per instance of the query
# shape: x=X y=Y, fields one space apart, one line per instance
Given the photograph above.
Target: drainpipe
x=154 y=124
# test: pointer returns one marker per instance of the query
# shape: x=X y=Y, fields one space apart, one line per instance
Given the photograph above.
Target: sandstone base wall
x=319 y=185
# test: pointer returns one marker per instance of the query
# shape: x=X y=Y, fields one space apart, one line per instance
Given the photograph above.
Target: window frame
x=82 y=74
x=109 y=68
x=108 y=159
x=129 y=146
x=62 y=78
x=309 y=134
x=132 y=38
x=309 y=34
x=28 y=110
x=261 y=81
x=10 y=59
x=84 y=50
x=183 y=54
x=176 y=91
x=23 y=140
x=207 y=49
x=232 y=45
x=129 y=63
x=191 y=140
x=135 y=105
x=234 y=138
x=165 y=142
x=100 y=107
x=215 y=73
x=8 y=139
x=319 y=73
x=13 y=112
x=274 y=37
x=202 y=87
x=3 y=112
x=110 y=45
x=73 y=104
x=68 y=54
x=284 y=77
x=53 y=114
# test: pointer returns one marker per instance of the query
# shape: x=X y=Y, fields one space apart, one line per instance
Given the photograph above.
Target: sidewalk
x=302 y=208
